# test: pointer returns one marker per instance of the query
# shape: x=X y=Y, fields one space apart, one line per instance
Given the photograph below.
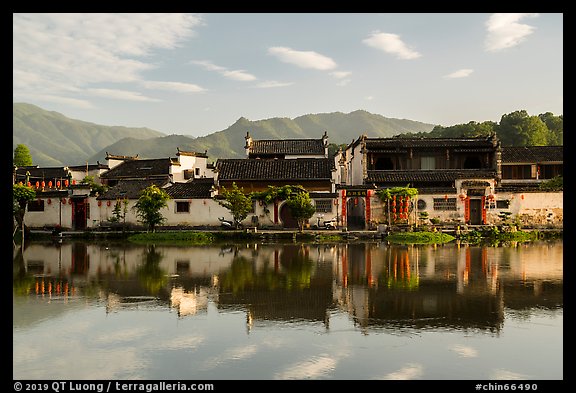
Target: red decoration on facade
x=49 y=201
x=99 y=203
x=107 y=203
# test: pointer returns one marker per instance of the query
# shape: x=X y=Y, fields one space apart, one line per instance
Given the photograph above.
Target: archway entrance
x=355 y=213
x=286 y=217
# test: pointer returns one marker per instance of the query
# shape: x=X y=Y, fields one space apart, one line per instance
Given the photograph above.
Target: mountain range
x=56 y=140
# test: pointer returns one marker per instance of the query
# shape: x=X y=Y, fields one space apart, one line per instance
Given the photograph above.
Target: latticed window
x=444 y=203
x=36 y=205
x=323 y=205
x=182 y=207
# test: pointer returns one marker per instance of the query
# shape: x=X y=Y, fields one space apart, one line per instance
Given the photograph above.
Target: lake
x=288 y=311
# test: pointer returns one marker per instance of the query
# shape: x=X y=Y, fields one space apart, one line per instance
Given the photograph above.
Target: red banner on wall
x=344 y=207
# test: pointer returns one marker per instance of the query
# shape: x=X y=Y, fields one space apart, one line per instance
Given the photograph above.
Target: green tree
x=148 y=206
x=22 y=156
x=555 y=126
x=301 y=208
x=237 y=202
x=21 y=195
x=520 y=129
x=95 y=188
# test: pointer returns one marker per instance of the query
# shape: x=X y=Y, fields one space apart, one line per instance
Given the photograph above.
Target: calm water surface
x=361 y=310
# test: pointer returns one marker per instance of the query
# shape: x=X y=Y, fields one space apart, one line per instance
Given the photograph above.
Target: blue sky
x=194 y=74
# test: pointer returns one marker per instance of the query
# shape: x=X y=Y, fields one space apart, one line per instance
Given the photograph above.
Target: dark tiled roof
x=191 y=153
x=259 y=169
x=130 y=189
x=427 y=176
x=193 y=189
x=91 y=167
x=288 y=146
x=39 y=173
x=403 y=143
x=532 y=154
x=139 y=169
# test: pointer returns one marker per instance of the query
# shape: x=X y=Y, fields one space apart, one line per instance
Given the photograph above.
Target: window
x=427 y=163
x=36 y=205
x=323 y=205
x=182 y=207
x=182 y=267
x=197 y=171
x=503 y=204
x=444 y=203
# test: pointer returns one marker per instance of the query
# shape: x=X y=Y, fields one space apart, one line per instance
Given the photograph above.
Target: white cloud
x=303 y=59
x=53 y=54
x=173 y=86
x=462 y=73
x=78 y=103
x=391 y=43
x=340 y=74
x=272 y=84
x=505 y=31
x=238 y=75
x=120 y=94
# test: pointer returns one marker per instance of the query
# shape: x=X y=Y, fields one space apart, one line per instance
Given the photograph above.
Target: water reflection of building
x=441 y=286
x=379 y=285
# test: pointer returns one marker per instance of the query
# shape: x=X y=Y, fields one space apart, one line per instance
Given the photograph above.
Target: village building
x=457 y=179
x=460 y=181
x=298 y=162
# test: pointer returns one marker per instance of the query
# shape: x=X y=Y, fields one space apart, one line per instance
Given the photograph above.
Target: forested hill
x=55 y=140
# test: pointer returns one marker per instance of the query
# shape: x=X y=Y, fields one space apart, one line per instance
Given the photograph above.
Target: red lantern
x=43 y=184
x=522 y=196
x=73 y=182
x=63 y=201
x=99 y=203
x=66 y=183
x=37 y=184
x=70 y=201
x=107 y=203
x=50 y=184
x=58 y=184
x=49 y=201
x=445 y=197
x=29 y=184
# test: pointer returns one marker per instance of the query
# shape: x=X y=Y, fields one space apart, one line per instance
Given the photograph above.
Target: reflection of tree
x=398 y=273
x=298 y=267
x=22 y=283
x=152 y=277
x=240 y=276
x=296 y=273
